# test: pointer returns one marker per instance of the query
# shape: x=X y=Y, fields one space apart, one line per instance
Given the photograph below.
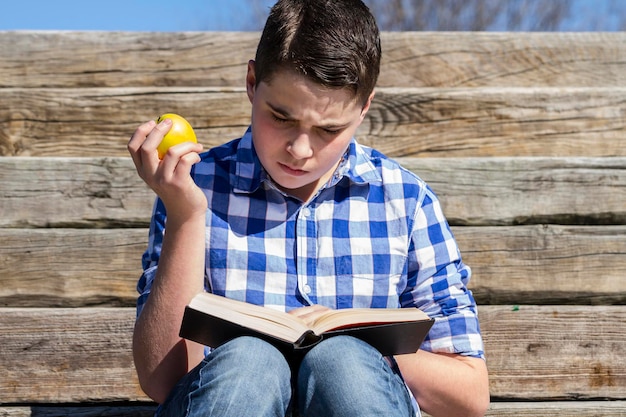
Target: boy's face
x=301 y=129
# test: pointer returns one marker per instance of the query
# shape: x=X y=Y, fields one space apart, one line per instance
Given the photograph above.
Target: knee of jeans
x=254 y=356
x=338 y=352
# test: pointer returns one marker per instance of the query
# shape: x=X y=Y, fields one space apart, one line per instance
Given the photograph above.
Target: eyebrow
x=280 y=111
x=285 y=114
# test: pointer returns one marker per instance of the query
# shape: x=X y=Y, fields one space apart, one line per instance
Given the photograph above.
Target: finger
x=178 y=150
x=137 y=139
x=309 y=314
x=155 y=136
x=147 y=152
x=179 y=159
x=308 y=310
x=183 y=168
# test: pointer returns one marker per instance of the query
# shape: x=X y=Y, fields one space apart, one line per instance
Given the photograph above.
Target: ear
x=250 y=80
x=366 y=107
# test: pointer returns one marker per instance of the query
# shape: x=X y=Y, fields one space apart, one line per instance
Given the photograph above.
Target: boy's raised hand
x=169 y=178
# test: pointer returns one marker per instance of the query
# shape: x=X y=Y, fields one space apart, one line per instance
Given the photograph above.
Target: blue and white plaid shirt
x=374 y=236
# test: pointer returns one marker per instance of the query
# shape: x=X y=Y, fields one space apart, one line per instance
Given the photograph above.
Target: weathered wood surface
x=80 y=411
x=67 y=355
x=70 y=267
x=75 y=192
x=410 y=59
x=455 y=122
x=107 y=192
x=556 y=352
x=498 y=191
x=542 y=264
x=558 y=409
x=534 y=353
x=546 y=264
x=499 y=409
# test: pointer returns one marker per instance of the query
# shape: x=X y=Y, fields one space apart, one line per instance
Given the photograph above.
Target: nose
x=300 y=147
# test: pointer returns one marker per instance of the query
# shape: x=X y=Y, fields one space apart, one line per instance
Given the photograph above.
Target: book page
x=263 y=319
x=353 y=317
x=289 y=327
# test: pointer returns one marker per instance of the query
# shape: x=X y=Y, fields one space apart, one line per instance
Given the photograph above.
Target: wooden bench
x=523 y=136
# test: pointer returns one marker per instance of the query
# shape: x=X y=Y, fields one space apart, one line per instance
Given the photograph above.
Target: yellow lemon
x=180 y=132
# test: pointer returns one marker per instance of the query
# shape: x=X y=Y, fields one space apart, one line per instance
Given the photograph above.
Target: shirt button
x=307 y=289
x=306 y=212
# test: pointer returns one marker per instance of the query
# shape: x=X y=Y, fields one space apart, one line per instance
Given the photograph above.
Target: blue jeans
x=341 y=376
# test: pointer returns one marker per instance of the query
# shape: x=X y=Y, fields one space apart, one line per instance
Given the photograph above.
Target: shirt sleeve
x=437 y=283
x=152 y=254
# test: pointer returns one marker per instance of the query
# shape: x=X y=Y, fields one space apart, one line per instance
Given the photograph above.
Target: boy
x=296 y=215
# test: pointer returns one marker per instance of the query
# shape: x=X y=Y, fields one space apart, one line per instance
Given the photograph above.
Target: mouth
x=292 y=171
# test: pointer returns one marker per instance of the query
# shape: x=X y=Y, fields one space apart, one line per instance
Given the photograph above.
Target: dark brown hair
x=335 y=43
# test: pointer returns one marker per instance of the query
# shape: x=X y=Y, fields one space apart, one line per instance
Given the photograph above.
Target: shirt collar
x=356 y=165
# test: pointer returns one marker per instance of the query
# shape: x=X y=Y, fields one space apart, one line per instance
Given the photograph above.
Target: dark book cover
x=389 y=338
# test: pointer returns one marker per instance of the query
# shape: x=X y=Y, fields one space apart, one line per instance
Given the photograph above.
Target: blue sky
x=191 y=15
x=132 y=15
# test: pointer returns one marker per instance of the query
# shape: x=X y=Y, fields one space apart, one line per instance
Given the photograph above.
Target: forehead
x=292 y=93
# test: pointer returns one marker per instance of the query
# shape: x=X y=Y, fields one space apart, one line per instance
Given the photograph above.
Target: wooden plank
x=460 y=122
x=542 y=264
x=67 y=355
x=546 y=264
x=444 y=59
x=410 y=59
x=74 y=192
x=80 y=410
x=498 y=191
x=557 y=352
x=116 y=59
x=92 y=122
x=70 y=267
x=106 y=192
x=482 y=122
x=556 y=409
x=534 y=353
x=519 y=409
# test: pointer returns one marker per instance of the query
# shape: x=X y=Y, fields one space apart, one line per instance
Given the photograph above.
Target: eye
x=332 y=131
x=279 y=119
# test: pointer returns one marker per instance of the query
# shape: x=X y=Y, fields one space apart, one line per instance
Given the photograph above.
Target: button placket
x=305 y=246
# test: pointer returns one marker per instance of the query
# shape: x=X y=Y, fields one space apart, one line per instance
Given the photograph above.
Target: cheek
x=262 y=132
x=337 y=147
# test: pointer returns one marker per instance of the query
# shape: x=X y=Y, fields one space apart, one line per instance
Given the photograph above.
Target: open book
x=212 y=320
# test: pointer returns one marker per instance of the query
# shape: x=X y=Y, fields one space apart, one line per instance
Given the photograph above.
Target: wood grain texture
x=70 y=267
x=498 y=191
x=117 y=59
x=499 y=409
x=75 y=192
x=546 y=264
x=534 y=353
x=66 y=355
x=557 y=352
x=542 y=264
x=454 y=59
x=77 y=410
x=460 y=122
x=482 y=122
x=107 y=192
x=556 y=409
x=410 y=59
